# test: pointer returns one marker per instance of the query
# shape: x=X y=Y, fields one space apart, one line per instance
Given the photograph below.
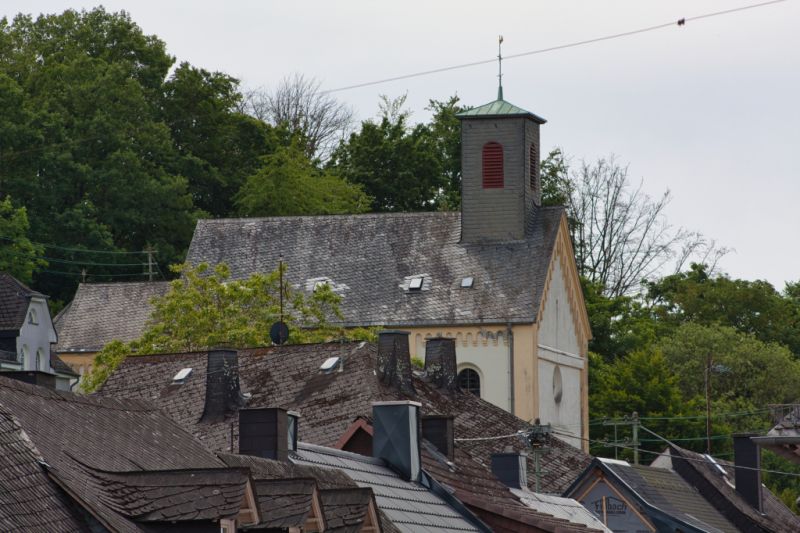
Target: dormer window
x=493 y=177
x=32 y=319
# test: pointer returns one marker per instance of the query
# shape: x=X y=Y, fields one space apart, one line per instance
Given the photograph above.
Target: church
x=499 y=277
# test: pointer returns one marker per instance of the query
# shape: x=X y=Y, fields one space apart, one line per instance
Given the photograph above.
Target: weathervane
x=500 y=67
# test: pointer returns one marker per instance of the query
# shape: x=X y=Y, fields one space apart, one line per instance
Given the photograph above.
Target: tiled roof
x=102 y=312
x=410 y=506
x=559 y=507
x=369 y=259
x=117 y=459
x=284 y=503
x=289 y=377
x=666 y=491
x=784 y=438
x=345 y=509
x=776 y=516
x=29 y=499
x=14 y=299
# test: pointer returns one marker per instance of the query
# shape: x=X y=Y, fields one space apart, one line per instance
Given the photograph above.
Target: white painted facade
x=35 y=336
x=560 y=363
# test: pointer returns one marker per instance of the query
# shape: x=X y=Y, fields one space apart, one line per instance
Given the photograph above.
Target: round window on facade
x=470 y=381
x=558 y=390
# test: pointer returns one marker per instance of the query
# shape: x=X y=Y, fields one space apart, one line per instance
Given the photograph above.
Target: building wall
x=37 y=337
x=79 y=362
x=561 y=362
x=483 y=349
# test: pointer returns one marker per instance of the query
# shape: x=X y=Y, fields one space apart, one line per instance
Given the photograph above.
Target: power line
x=88 y=274
x=679 y=22
x=71 y=262
x=67 y=249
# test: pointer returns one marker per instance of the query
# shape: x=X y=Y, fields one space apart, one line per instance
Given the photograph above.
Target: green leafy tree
x=18 y=255
x=444 y=128
x=287 y=183
x=206 y=308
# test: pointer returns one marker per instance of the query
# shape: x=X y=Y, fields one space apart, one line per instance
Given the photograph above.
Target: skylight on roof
x=415 y=284
x=182 y=375
x=331 y=364
x=466 y=283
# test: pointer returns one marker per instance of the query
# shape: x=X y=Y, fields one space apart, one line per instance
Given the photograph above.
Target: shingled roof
x=102 y=312
x=124 y=462
x=369 y=260
x=14 y=300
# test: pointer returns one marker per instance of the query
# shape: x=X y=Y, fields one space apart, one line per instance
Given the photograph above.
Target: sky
x=709 y=110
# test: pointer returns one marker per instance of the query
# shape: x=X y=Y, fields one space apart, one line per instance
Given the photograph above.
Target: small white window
x=466 y=283
x=32 y=319
x=182 y=375
x=331 y=364
x=415 y=284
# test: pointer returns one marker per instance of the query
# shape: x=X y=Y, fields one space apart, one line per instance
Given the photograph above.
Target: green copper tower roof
x=499 y=108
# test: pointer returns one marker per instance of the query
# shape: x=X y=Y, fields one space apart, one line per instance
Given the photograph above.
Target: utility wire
x=66 y=249
x=679 y=22
x=71 y=262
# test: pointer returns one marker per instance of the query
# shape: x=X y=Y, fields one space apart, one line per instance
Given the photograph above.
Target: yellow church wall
x=79 y=362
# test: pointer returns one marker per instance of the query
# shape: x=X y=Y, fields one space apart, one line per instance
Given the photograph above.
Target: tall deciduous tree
x=18 y=255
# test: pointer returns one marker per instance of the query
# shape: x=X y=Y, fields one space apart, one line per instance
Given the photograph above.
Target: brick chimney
x=395 y=437
x=440 y=363
x=438 y=430
x=394 y=361
x=268 y=432
x=511 y=469
x=747 y=454
x=223 y=395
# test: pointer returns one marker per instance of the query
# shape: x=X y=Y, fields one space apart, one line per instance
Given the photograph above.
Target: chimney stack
x=395 y=436
x=438 y=430
x=222 y=385
x=268 y=432
x=394 y=361
x=440 y=363
x=746 y=453
x=511 y=469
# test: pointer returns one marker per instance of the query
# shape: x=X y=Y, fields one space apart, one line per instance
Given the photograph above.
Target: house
x=100 y=313
x=499 y=277
x=684 y=491
x=334 y=386
x=784 y=438
x=27 y=333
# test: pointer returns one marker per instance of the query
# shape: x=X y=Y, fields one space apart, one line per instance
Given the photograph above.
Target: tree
x=298 y=103
x=205 y=308
x=398 y=166
x=18 y=255
x=444 y=129
x=289 y=184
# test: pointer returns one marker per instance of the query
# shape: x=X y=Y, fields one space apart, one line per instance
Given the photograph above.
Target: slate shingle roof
x=29 y=499
x=102 y=312
x=345 y=509
x=289 y=377
x=369 y=258
x=111 y=456
x=14 y=299
x=776 y=516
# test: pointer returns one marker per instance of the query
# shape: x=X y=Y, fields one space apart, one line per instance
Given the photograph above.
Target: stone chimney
x=747 y=454
x=394 y=361
x=438 y=430
x=395 y=437
x=440 y=363
x=511 y=469
x=268 y=432
x=223 y=395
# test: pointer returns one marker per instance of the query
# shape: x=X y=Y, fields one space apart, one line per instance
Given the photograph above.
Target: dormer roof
x=14 y=300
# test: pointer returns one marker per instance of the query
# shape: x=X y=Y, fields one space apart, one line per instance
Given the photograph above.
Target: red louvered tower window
x=492 y=166
x=534 y=161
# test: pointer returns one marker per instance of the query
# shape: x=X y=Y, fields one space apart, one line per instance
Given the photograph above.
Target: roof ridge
x=71 y=397
x=402 y=214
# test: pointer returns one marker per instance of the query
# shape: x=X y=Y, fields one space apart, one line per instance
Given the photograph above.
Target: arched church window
x=534 y=164
x=470 y=381
x=40 y=362
x=492 y=165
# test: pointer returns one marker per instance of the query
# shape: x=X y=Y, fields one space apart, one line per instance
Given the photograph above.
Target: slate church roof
x=370 y=259
x=102 y=312
x=14 y=300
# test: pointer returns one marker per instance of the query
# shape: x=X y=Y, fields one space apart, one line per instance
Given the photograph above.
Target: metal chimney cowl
x=394 y=361
x=395 y=436
x=440 y=363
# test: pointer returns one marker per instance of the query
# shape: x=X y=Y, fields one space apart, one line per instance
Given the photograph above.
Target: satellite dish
x=279 y=333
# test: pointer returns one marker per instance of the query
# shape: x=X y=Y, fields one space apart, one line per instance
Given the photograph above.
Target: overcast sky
x=710 y=110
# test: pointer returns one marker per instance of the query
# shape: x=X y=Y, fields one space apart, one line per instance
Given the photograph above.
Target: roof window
x=182 y=376
x=466 y=283
x=331 y=364
x=415 y=284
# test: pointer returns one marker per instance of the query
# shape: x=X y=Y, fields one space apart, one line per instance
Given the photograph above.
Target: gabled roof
x=289 y=377
x=369 y=260
x=498 y=108
x=102 y=312
x=14 y=300
x=720 y=490
x=124 y=462
x=784 y=438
